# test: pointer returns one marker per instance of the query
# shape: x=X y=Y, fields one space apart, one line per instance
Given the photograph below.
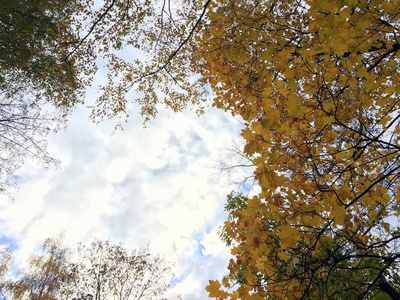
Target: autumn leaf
x=213 y=288
x=338 y=214
x=288 y=236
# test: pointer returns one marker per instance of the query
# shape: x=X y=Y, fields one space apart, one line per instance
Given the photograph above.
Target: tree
x=342 y=275
x=5 y=261
x=33 y=72
x=102 y=271
x=317 y=84
x=50 y=52
x=34 y=43
x=35 y=39
x=108 y=271
x=48 y=273
x=24 y=126
x=235 y=167
x=56 y=45
x=160 y=40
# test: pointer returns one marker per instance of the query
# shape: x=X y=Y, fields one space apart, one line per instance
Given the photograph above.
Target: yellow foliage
x=317 y=85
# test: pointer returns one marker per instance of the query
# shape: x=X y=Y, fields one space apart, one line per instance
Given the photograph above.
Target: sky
x=156 y=185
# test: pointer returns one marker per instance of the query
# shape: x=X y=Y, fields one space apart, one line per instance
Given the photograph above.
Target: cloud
x=137 y=186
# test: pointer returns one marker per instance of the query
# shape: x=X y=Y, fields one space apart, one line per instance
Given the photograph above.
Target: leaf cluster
x=317 y=86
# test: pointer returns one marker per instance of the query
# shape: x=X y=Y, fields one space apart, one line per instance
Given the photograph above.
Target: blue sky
x=140 y=186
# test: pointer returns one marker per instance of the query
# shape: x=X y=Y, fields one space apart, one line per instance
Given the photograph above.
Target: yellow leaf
x=338 y=214
x=282 y=255
x=213 y=288
x=244 y=292
x=288 y=236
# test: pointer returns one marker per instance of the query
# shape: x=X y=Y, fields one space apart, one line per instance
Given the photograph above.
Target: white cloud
x=138 y=186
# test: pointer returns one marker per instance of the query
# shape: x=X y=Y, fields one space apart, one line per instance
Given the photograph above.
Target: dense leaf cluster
x=317 y=84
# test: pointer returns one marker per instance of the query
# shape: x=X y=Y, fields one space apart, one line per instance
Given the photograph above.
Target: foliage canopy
x=50 y=51
x=317 y=84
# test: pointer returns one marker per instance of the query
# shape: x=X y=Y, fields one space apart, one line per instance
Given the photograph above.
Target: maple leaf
x=213 y=288
x=339 y=215
x=288 y=236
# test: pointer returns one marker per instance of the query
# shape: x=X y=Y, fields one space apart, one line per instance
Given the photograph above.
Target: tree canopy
x=34 y=72
x=51 y=50
x=106 y=270
x=317 y=84
x=99 y=271
x=34 y=43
